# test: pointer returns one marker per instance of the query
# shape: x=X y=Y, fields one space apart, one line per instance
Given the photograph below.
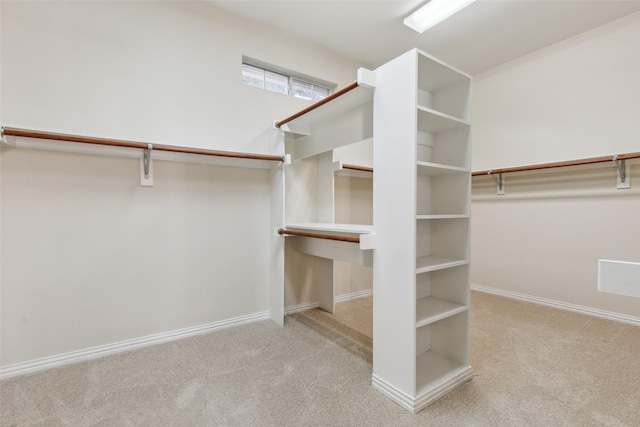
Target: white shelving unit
x=419 y=124
x=318 y=131
x=421 y=286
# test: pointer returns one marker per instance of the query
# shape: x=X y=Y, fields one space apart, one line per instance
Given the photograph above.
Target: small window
x=306 y=90
x=276 y=82
x=281 y=82
x=253 y=76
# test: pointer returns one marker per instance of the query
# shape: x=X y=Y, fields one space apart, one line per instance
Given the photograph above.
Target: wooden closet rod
x=558 y=164
x=320 y=103
x=282 y=231
x=357 y=168
x=25 y=133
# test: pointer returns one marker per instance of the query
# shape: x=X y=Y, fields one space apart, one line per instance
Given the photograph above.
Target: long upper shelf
x=342 y=100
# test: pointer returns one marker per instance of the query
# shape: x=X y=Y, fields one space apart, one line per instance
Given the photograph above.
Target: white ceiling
x=482 y=36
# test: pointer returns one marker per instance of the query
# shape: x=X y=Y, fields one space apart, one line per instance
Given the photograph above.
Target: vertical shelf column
x=421 y=283
x=394 y=206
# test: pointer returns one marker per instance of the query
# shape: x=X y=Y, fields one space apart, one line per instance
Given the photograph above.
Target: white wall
x=88 y=256
x=578 y=98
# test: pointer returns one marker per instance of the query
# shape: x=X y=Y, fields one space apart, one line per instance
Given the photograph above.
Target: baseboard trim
x=603 y=314
x=354 y=295
x=122 y=346
x=301 y=307
x=340 y=298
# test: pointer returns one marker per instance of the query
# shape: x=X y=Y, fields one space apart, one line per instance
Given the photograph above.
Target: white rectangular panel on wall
x=619 y=277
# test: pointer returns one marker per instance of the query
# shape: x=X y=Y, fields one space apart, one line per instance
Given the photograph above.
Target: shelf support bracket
x=624 y=170
x=499 y=181
x=146 y=167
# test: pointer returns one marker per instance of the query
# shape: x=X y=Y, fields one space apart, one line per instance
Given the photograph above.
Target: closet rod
x=25 y=133
x=320 y=103
x=357 y=168
x=282 y=231
x=558 y=164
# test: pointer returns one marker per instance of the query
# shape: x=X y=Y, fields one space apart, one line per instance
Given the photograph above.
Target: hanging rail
x=320 y=103
x=605 y=159
x=25 y=133
x=282 y=231
x=357 y=168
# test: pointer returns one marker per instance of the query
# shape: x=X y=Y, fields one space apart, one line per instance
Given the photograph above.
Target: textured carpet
x=533 y=366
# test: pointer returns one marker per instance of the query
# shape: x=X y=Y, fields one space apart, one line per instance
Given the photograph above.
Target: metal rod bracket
x=499 y=182
x=624 y=170
x=146 y=167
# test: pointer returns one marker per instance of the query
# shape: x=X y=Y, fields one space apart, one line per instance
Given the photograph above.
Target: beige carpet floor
x=533 y=366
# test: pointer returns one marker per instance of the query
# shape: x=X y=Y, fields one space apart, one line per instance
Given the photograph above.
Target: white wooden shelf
x=432 y=263
x=443 y=216
x=434 y=169
x=430 y=310
x=333 y=106
x=433 y=370
x=433 y=122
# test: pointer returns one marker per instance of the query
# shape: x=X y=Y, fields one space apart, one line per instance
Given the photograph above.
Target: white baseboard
x=122 y=346
x=354 y=295
x=609 y=315
x=340 y=298
x=301 y=307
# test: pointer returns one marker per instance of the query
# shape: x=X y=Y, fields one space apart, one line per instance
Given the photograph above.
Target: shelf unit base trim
x=404 y=400
x=415 y=405
x=425 y=399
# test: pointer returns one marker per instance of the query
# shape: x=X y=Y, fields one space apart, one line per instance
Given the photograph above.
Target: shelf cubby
x=441 y=293
x=442 y=351
x=441 y=242
x=445 y=194
x=445 y=147
x=443 y=88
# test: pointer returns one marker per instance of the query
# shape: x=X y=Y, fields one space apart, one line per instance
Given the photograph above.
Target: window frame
x=291 y=77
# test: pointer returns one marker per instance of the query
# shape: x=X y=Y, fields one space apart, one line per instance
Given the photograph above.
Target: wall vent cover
x=619 y=277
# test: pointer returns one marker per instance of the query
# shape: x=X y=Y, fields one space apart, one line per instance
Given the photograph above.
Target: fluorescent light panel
x=433 y=13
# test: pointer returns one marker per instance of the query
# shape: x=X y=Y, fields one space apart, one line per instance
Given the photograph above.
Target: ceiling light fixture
x=433 y=13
